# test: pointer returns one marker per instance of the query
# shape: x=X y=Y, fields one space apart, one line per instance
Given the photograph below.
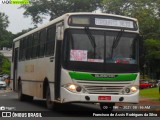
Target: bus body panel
x=33 y=73
x=68 y=96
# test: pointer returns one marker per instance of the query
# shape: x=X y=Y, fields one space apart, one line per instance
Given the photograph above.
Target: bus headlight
x=133 y=89
x=130 y=90
x=73 y=87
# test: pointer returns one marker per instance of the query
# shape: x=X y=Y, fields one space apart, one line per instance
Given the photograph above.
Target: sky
x=15 y=16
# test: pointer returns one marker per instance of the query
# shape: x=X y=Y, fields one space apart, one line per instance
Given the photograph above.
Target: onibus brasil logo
x=14 y=1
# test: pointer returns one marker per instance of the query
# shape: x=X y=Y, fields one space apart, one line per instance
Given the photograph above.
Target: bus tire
x=49 y=103
x=107 y=107
x=21 y=96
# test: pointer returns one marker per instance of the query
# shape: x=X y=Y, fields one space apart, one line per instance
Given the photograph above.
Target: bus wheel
x=21 y=96
x=49 y=103
x=108 y=107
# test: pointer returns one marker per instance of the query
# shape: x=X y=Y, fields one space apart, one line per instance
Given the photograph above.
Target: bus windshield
x=80 y=47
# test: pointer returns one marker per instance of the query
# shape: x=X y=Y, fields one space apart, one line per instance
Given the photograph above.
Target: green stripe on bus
x=88 y=76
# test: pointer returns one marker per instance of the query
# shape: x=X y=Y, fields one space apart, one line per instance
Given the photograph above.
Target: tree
x=3 y=21
x=23 y=32
x=6 y=39
x=5 y=36
x=146 y=11
x=5 y=65
x=53 y=8
x=153 y=57
x=148 y=14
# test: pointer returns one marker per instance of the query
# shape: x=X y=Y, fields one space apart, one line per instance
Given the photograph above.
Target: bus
x=79 y=58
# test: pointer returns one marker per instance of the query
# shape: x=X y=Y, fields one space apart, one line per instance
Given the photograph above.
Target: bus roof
x=64 y=16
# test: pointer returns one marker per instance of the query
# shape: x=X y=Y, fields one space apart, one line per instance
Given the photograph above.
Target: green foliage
x=153 y=49
x=148 y=14
x=150 y=93
x=6 y=39
x=146 y=11
x=3 y=21
x=5 y=36
x=5 y=65
x=22 y=32
x=153 y=56
x=54 y=8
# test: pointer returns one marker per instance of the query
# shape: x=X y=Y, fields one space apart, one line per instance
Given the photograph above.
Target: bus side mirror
x=59 y=33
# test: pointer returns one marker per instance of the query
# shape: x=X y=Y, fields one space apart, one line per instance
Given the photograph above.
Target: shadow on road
x=69 y=109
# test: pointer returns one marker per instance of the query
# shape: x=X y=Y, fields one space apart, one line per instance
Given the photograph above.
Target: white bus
x=79 y=57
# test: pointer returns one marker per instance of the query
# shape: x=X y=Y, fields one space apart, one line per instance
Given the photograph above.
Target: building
x=7 y=52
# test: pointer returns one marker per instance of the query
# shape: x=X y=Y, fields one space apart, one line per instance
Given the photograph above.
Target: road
x=10 y=99
x=10 y=102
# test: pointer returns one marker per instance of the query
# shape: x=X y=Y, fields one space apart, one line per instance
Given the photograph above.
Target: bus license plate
x=104 y=97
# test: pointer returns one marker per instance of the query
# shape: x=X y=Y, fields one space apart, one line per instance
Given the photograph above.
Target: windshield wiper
x=116 y=41
x=91 y=38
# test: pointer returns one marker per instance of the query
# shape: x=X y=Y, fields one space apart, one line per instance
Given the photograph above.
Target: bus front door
x=59 y=38
x=15 y=69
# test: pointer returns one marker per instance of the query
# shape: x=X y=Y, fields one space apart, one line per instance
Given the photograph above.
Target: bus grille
x=104 y=87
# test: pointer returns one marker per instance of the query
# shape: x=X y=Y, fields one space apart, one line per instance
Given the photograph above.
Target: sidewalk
x=144 y=101
x=149 y=101
x=145 y=104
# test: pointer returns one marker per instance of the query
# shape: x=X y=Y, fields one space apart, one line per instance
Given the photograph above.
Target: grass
x=150 y=93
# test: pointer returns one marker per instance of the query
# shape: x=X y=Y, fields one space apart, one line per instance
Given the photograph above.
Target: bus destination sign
x=114 y=23
x=102 y=22
x=81 y=20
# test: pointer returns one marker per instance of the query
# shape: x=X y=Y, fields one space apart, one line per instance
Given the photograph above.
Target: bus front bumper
x=67 y=96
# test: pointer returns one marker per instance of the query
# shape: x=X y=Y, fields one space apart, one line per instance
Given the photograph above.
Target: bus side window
x=24 y=44
x=50 y=43
x=20 y=51
x=35 y=46
x=29 y=47
x=26 y=47
x=43 y=37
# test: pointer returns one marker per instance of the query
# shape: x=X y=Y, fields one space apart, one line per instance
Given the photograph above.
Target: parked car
x=158 y=83
x=144 y=84
x=153 y=84
x=2 y=83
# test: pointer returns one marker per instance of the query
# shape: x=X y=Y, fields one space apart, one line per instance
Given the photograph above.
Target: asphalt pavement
x=8 y=99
